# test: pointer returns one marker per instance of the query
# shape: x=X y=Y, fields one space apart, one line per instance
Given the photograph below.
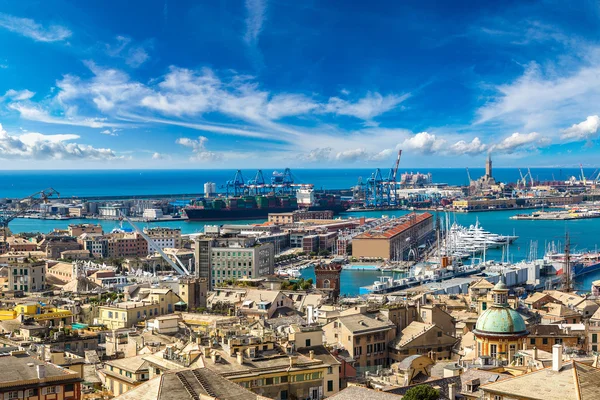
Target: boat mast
x=567 y=267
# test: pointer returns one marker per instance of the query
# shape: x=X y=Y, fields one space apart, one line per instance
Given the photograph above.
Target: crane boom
x=530 y=176
x=397 y=165
x=582 y=174
x=23 y=205
x=180 y=269
x=469 y=176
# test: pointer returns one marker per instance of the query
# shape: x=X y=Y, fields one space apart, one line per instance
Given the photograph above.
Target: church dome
x=500 y=321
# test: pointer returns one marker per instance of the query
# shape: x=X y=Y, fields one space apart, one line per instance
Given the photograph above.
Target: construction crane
x=180 y=269
x=469 y=176
x=23 y=206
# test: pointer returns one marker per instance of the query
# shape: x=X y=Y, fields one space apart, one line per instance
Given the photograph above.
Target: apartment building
x=151 y=302
x=26 y=274
x=96 y=244
x=124 y=374
x=55 y=244
x=364 y=336
x=165 y=237
x=80 y=229
x=126 y=244
x=26 y=377
x=223 y=260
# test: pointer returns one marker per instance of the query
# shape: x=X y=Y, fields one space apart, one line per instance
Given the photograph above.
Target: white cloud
x=585 y=130
x=17 y=95
x=352 y=155
x=473 y=147
x=424 y=143
x=37 y=146
x=110 y=132
x=318 y=155
x=366 y=108
x=518 y=141
x=198 y=146
x=158 y=156
x=29 y=28
x=256 y=10
x=34 y=113
x=133 y=54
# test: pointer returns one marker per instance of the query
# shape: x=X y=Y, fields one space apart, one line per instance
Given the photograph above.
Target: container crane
x=23 y=206
x=180 y=269
x=397 y=165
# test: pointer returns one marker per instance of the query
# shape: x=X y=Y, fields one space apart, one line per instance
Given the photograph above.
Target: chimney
x=557 y=357
x=292 y=361
x=535 y=353
x=311 y=354
x=240 y=358
x=452 y=391
x=213 y=357
x=41 y=371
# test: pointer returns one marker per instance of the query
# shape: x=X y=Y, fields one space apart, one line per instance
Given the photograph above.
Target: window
x=13 y=395
x=330 y=370
x=283 y=395
x=484 y=306
x=330 y=386
x=284 y=379
x=51 y=389
x=532 y=341
x=594 y=338
x=439 y=334
x=268 y=381
x=493 y=350
x=307 y=342
x=70 y=387
x=558 y=341
x=545 y=340
x=496 y=397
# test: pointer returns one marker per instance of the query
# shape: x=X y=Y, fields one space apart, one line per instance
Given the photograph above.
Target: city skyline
x=259 y=84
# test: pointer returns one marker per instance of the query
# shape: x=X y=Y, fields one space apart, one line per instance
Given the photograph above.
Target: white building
x=113 y=211
x=210 y=189
x=152 y=213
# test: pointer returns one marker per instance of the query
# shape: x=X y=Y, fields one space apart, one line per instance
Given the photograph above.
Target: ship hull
x=231 y=214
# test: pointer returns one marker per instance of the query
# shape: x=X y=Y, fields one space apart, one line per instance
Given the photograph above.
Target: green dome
x=500 y=320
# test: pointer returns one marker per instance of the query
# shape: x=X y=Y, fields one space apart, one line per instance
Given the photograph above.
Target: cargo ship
x=259 y=206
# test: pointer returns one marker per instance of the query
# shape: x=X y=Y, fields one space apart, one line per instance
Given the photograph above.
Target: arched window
x=326 y=284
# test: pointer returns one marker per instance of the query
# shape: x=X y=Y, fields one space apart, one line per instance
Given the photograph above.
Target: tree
x=421 y=392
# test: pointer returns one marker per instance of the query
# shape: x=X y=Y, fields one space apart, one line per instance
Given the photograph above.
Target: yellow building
x=124 y=374
x=44 y=315
x=152 y=303
x=500 y=331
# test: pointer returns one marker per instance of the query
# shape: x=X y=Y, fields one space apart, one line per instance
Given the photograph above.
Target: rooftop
x=20 y=366
x=389 y=232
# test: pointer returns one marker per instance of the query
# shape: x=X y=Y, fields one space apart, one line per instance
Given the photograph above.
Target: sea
x=73 y=183
x=534 y=236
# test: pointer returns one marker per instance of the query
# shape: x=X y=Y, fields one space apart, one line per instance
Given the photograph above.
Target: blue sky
x=266 y=83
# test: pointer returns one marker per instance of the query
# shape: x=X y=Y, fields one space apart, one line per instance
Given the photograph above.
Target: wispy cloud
x=134 y=54
x=256 y=15
x=31 y=29
x=34 y=113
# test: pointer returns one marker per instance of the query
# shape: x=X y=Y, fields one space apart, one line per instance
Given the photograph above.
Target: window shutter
x=20 y=394
x=57 y=390
x=44 y=391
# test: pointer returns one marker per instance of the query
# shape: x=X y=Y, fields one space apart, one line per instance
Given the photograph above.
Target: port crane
x=523 y=181
x=582 y=175
x=530 y=177
x=383 y=191
x=280 y=183
x=22 y=207
x=180 y=269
